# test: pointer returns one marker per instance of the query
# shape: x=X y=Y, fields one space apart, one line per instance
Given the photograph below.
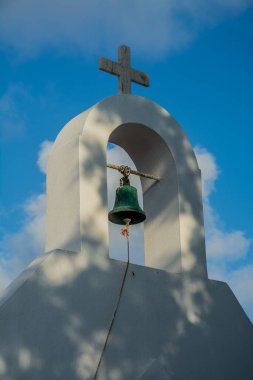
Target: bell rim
x=141 y=213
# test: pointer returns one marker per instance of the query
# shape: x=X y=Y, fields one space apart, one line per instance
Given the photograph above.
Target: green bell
x=126 y=205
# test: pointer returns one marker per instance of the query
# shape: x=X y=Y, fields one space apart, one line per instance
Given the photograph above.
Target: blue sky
x=199 y=56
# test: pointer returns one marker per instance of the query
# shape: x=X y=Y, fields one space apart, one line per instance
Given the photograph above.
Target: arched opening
x=150 y=154
x=117 y=242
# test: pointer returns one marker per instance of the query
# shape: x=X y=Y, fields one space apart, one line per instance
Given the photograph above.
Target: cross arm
x=140 y=77
x=109 y=66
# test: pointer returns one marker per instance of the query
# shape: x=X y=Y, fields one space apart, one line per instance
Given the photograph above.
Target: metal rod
x=135 y=172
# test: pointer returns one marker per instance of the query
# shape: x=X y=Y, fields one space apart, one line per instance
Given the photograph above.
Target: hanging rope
x=124 y=232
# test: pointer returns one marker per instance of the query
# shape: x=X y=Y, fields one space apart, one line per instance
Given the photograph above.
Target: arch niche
x=151 y=154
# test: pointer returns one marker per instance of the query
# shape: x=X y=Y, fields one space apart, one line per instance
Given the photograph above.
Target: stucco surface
x=70 y=319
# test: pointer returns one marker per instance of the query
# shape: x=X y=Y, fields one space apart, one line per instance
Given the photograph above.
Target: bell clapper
x=125 y=230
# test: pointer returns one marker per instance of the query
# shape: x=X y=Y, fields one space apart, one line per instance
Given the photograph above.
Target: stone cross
x=126 y=74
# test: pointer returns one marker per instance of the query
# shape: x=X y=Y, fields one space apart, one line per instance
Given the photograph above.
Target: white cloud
x=228 y=252
x=227 y=245
x=209 y=169
x=44 y=151
x=220 y=244
x=18 y=249
x=21 y=247
x=154 y=27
